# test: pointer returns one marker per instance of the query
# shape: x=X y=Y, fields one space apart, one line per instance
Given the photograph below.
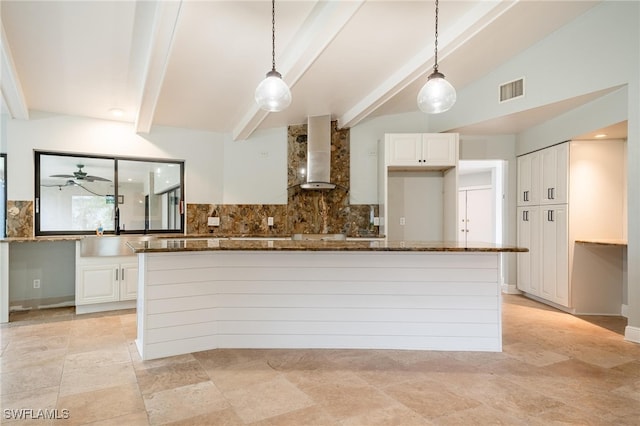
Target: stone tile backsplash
x=306 y=211
x=20 y=219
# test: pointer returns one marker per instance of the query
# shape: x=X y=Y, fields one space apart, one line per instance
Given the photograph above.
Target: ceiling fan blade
x=96 y=178
x=63 y=176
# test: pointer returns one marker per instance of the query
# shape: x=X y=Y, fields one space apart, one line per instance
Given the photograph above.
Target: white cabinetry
x=554 y=285
x=554 y=174
x=568 y=192
x=529 y=237
x=529 y=179
x=418 y=186
x=422 y=149
x=106 y=283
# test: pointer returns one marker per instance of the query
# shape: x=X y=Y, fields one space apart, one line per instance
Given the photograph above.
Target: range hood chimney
x=318 y=153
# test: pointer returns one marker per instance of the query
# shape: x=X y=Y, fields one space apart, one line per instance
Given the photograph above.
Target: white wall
x=591 y=53
x=256 y=168
x=364 y=150
x=202 y=151
x=3 y=132
x=609 y=109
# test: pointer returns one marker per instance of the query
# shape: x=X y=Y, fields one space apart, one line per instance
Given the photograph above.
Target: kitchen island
x=200 y=294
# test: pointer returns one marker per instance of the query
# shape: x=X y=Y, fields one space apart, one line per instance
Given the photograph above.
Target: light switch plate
x=213 y=221
x=376 y=221
x=270 y=221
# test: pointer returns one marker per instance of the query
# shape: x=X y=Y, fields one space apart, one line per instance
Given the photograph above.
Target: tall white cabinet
x=418 y=186
x=572 y=191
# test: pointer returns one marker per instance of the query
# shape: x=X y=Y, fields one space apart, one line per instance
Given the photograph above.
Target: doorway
x=476 y=214
x=482 y=183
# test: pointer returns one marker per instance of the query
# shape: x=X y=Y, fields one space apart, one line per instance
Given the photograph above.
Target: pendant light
x=437 y=95
x=273 y=94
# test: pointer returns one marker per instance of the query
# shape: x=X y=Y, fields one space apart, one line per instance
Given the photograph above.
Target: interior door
x=477 y=216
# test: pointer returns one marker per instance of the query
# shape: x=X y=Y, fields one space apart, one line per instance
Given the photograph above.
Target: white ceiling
x=196 y=63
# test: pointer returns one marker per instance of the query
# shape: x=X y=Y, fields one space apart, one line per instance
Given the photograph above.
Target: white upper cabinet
x=428 y=150
x=529 y=179
x=554 y=171
x=543 y=176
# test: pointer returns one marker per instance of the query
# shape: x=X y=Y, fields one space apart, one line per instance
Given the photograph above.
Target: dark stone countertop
x=214 y=244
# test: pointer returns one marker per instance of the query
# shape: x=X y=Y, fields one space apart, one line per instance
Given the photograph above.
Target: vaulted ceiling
x=196 y=63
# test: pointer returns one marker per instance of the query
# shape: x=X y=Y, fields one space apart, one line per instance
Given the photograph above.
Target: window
x=3 y=195
x=76 y=194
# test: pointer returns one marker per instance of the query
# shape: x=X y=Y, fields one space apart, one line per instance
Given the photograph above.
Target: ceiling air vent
x=511 y=90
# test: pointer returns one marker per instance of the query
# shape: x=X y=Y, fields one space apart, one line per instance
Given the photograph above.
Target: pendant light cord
x=435 y=64
x=273 y=35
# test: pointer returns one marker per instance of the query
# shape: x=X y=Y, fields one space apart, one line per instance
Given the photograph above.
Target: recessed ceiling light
x=601 y=135
x=116 y=112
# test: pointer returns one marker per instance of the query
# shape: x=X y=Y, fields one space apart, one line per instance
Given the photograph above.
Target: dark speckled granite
x=306 y=212
x=216 y=244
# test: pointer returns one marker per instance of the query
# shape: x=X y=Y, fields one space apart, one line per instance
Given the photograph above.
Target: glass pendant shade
x=273 y=94
x=437 y=95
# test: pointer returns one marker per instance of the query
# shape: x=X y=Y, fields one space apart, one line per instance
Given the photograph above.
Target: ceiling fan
x=81 y=175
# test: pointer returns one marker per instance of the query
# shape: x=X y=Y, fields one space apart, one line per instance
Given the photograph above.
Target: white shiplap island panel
x=200 y=300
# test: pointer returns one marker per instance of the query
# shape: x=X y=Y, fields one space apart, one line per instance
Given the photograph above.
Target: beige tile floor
x=555 y=369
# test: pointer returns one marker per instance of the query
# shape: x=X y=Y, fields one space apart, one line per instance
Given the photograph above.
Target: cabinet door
x=405 y=149
x=555 y=258
x=128 y=281
x=439 y=149
x=529 y=237
x=529 y=179
x=554 y=167
x=97 y=284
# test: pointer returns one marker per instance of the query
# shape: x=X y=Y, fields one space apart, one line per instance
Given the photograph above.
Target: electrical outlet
x=213 y=221
x=36 y=283
x=376 y=221
x=270 y=221
x=402 y=221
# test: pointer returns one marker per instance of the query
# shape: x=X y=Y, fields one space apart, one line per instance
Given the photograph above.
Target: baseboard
x=550 y=303
x=104 y=307
x=624 y=309
x=510 y=289
x=632 y=334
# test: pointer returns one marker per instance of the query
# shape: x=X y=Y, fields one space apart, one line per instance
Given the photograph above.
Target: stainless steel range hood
x=318 y=153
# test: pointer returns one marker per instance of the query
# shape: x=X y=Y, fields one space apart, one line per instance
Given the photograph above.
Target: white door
x=529 y=237
x=555 y=256
x=476 y=215
x=128 y=281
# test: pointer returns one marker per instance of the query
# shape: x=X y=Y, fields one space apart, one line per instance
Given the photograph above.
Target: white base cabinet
x=106 y=283
x=554 y=285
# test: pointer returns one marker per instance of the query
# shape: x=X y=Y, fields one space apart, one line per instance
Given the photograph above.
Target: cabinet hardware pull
x=122 y=274
x=553 y=193
x=117 y=270
x=525 y=196
x=550 y=216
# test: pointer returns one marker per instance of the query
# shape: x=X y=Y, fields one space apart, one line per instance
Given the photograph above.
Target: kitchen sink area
x=110 y=245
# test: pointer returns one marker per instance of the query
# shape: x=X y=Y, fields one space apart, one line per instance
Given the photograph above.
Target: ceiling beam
x=472 y=23
x=326 y=20
x=166 y=21
x=12 y=93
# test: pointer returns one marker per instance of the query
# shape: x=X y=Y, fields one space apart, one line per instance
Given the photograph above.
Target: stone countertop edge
x=53 y=238
x=212 y=244
x=620 y=243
